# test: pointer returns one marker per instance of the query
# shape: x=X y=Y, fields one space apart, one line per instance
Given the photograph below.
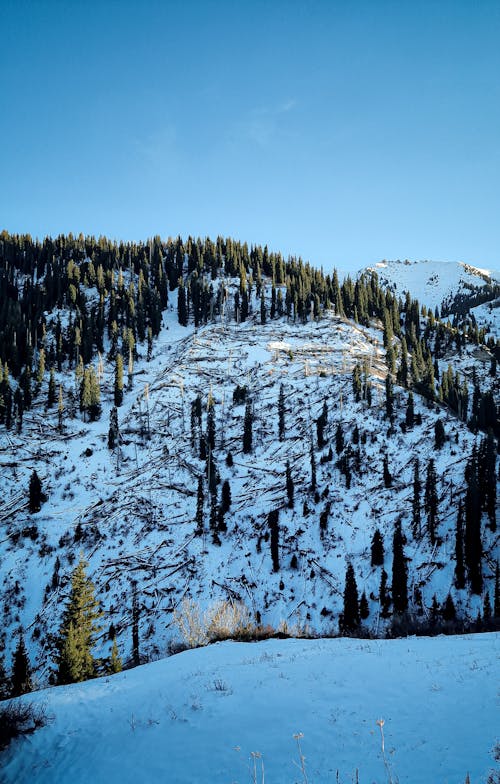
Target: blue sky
x=345 y=132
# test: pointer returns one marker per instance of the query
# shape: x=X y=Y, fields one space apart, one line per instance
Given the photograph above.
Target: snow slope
x=196 y=717
x=431 y=282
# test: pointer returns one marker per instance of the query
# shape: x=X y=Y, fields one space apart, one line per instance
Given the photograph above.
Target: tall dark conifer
x=472 y=537
x=399 y=572
x=350 y=616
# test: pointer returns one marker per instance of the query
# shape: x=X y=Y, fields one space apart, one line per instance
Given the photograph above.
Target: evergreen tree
x=21 y=670
x=399 y=572
x=459 y=549
x=289 y=485
x=5 y=682
x=389 y=397
x=431 y=500
x=281 y=413
x=439 y=434
x=113 y=433
x=115 y=662
x=36 y=497
x=78 y=629
x=449 y=613
x=118 y=388
x=211 y=423
x=339 y=439
x=387 y=474
x=377 y=549
x=410 y=411
x=350 y=619
x=273 y=523
x=487 y=608
x=200 y=502
x=384 y=598
x=182 y=315
x=248 y=427
x=415 y=509
x=472 y=535
x=60 y=410
x=364 y=609
x=226 y=496
x=321 y=423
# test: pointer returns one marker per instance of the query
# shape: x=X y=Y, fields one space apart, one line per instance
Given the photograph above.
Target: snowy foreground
x=198 y=716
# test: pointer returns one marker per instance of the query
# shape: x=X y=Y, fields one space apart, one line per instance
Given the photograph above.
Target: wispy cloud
x=263 y=124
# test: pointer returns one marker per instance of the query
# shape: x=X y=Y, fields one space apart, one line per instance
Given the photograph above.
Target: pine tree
x=387 y=474
x=431 y=500
x=36 y=497
x=459 y=549
x=21 y=670
x=115 y=663
x=281 y=413
x=384 y=598
x=78 y=629
x=289 y=485
x=399 y=572
x=248 y=427
x=273 y=523
x=410 y=411
x=350 y=619
x=113 y=433
x=200 y=502
x=487 y=608
x=118 y=387
x=439 y=434
x=415 y=508
x=181 y=304
x=339 y=439
x=377 y=549
x=364 y=609
x=449 y=613
x=321 y=423
x=389 y=397
x=226 y=496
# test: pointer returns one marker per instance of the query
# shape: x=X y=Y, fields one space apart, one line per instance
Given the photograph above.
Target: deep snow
x=198 y=716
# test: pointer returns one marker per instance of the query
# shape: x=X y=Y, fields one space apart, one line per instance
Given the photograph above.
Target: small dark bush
x=19 y=718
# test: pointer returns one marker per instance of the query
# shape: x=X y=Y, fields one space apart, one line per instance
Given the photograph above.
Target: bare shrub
x=19 y=718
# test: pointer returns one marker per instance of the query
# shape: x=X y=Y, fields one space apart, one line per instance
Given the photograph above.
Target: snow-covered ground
x=196 y=717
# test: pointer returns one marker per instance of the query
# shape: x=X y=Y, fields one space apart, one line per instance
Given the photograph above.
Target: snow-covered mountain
x=437 y=284
x=201 y=715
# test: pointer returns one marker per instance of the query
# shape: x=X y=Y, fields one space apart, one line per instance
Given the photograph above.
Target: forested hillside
x=187 y=423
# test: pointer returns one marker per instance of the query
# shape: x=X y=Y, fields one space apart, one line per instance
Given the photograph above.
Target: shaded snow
x=182 y=719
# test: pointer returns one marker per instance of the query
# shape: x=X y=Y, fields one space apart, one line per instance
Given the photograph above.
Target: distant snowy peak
x=436 y=283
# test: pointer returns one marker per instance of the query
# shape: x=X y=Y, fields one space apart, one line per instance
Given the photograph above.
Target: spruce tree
x=200 y=502
x=21 y=670
x=364 y=609
x=115 y=663
x=431 y=500
x=248 y=427
x=449 y=613
x=226 y=496
x=136 y=655
x=384 y=598
x=415 y=508
x=389 y=397
x=60 y=410
x=377 y=549
x=36 y=497
x=386 y=473
x=78 y=629
x=439 y=434
x=410 y=411
x=399 y=572
x=496 y=602
x=459 y=549
x=51 y=396
x=313 y=466
x=118 y=387
x=273 y=523
x=339 y=439
x=350 y=618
